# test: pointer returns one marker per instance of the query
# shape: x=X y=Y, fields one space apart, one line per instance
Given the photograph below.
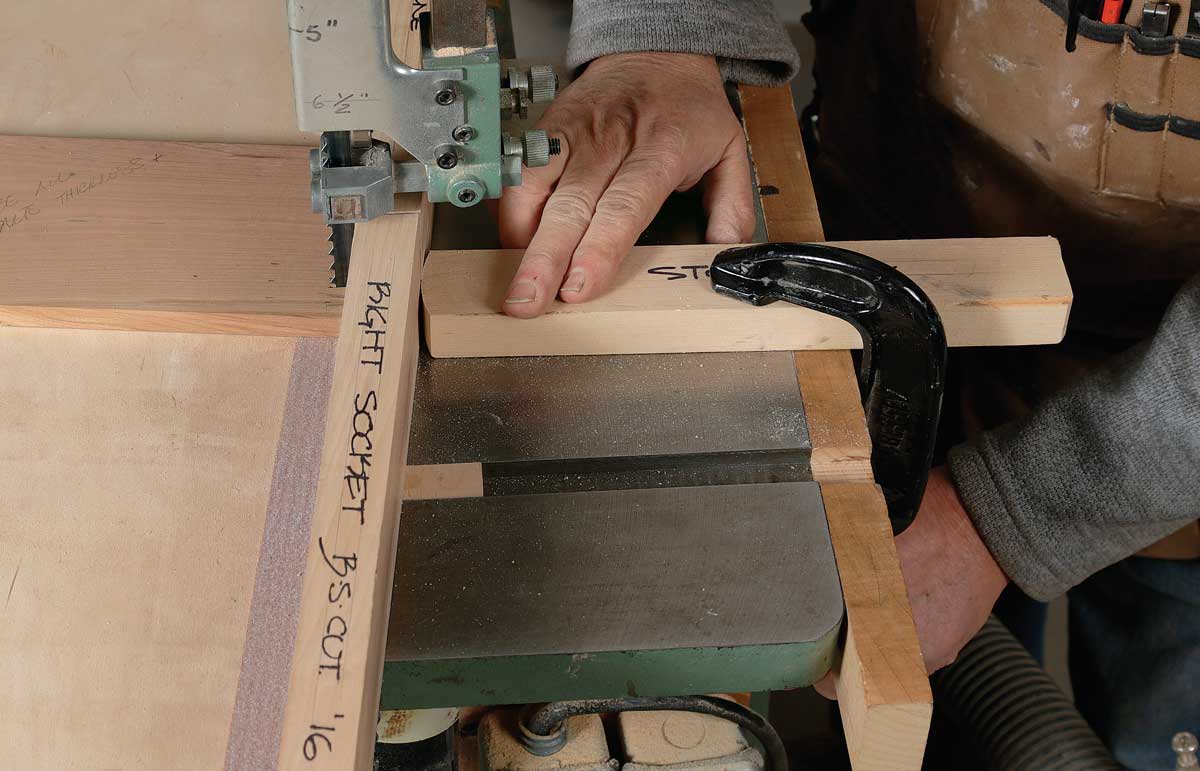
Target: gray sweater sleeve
x=746 y=36
x=1098 y=472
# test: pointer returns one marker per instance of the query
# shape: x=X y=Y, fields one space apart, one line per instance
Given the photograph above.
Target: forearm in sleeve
x=746 y=36
x=1098 y=472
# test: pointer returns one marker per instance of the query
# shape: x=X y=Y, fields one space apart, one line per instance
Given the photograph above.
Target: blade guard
x=902 y=373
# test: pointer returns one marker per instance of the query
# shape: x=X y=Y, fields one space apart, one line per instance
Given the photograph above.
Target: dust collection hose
x=1012 y=711
x=543 y=732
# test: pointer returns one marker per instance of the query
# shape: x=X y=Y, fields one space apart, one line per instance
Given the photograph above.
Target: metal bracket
x=346 y=78
x=349 y=84
x=447 y=115
x=902 y=373
x=468 y=161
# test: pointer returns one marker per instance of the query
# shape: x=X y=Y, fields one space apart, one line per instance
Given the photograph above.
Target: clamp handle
x=903 y=369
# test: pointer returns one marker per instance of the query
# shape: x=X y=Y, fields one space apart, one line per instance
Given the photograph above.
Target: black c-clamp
x=902 y=374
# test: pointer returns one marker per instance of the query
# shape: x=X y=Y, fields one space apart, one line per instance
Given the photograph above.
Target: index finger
x=564 y=219
x=626 y=209
x=521 y=206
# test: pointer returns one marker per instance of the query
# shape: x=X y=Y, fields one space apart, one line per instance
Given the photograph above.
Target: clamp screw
x=463 y=134
x=447 y=159
x=537 y=147
x=445 y=95
x=543 y=84
x=466 y=195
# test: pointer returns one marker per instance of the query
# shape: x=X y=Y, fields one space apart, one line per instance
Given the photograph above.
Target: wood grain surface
x=883 y=691
x=337 y=664
x=998 y=291
x=134 y=477
x=883 y=694
x=162 y=236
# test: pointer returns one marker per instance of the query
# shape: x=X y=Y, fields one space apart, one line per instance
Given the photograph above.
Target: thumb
x=727 y=197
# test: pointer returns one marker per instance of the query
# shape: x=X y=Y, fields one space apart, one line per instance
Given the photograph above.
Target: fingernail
x=521 y=292
x=574 y=282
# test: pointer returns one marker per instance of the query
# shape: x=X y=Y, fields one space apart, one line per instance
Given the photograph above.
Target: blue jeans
x=1134 y=640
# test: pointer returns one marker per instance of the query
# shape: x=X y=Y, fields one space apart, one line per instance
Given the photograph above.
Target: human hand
x=633 y=128
x=953 y=581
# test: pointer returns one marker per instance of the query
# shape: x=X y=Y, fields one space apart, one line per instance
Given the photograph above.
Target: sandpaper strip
x=270 y=633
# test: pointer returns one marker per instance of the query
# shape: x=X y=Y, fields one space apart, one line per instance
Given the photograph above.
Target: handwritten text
x=342 y=564
x=673 y=273
x=64 y=187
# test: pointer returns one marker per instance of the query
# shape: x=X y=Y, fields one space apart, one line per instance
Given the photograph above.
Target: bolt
x=510 y=146
x=463 y=134
x=535 y=146
x=445 y=95
x=465 y=190
x=543 y=83
x=447 y=160
x=555 y=146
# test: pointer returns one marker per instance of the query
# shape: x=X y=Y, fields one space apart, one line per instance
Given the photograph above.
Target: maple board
x=989 y=291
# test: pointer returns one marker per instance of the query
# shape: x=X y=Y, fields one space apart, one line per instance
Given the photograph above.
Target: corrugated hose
x=1011 y=710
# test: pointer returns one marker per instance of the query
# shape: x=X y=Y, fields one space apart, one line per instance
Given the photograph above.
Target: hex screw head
x=463 y=134
x=447 y=160
x=444 y=96
x=465 y=190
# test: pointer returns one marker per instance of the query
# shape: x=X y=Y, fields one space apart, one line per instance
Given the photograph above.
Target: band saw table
x=663 y=518
x=648 y=525
x=657 y=524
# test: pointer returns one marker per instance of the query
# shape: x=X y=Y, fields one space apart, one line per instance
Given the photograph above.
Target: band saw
x=649 y=527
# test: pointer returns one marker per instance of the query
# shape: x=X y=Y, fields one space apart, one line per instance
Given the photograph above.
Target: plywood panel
x=134 y=476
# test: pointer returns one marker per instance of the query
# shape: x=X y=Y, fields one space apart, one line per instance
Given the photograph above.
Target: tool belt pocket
x=1119 y=117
